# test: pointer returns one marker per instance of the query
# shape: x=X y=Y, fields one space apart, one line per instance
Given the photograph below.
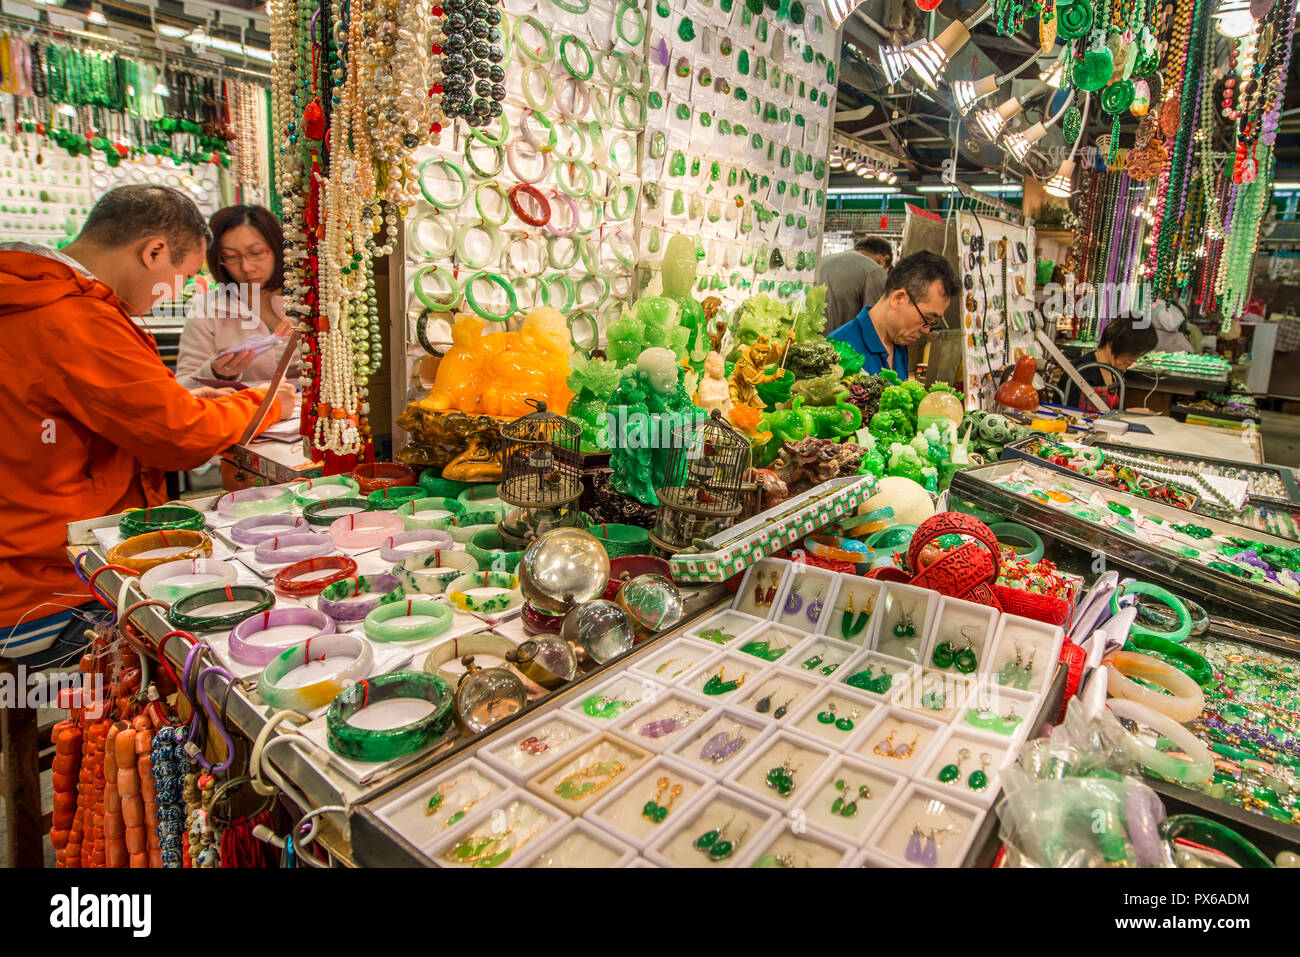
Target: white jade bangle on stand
x=1195 y=771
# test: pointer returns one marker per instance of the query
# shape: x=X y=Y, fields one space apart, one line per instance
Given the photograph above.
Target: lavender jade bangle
x=394 y=548
x=365 y=529
x=262 y=654
x=298 y=547
x=263 y=500
x=250 y=531
x=557 y=196
x=382 y=589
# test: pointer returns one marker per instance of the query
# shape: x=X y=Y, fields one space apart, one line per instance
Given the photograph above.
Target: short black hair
x=1127 y=338
x=130 y=213
x=259 y=218
x=874 y=244
x=916 y=272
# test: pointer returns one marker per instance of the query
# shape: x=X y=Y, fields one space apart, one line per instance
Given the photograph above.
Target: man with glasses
x=916 y=295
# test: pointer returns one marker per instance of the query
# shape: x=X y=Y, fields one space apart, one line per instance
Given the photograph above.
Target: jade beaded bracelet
x=360 y=744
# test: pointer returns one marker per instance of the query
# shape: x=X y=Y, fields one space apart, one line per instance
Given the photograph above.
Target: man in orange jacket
x=94 y=417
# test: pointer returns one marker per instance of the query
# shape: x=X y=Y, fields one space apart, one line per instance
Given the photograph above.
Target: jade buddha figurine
x=713 y=394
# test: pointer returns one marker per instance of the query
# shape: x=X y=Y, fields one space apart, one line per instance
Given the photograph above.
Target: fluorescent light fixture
x=839 y=10
x=862 y=190
x=1286 y=186
x=1061 y=185
x=175 y=33
x=96 y=16
x=934 y=188
x=1008 y=190
x=1019 y=142
x=200 y=39
x=966 y=93
x=895 y=60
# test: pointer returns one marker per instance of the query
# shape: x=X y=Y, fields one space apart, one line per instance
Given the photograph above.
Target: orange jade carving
x=493 y=374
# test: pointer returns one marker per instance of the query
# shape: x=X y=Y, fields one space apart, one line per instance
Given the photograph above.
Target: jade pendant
x=949 y=773
x=781 y=781
x=978 y=780
x=943 y=656
x=678 y=165
x=826 y=717
x=861 y=680
x=679 y=203
x=716 y=686
x=716 y=635
x=844 y=724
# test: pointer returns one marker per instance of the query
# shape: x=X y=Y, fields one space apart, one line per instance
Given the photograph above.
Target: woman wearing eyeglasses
x=246 y=259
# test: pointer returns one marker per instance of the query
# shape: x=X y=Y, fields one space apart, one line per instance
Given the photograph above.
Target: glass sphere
x=938 y=405
x=562 y=568
x=486 y=695
x=652 y=602
x=548 y=660
x=600 y=628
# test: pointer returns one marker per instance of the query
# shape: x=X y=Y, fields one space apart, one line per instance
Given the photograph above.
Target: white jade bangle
x=1195 y=771
x=164 y=582
x=1185 y=700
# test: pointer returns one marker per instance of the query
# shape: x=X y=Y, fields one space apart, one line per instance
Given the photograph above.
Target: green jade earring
x=717 y=685
x=1018 y=673
x=864 y=681
x=979 y=779
x=851 y=627
x=842 y=806
x=781 y=779
x=946 y=655
x=951 y=772
x=763 y=649
x=986 y=720
x=830 y=717
x=713 y=842
x=602 y=706
x=905 y=627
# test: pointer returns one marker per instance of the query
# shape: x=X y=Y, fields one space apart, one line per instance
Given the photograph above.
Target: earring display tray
x=771 y=747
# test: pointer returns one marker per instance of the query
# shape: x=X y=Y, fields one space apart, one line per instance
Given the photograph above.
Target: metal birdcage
x=702 y=483
x=541 y=461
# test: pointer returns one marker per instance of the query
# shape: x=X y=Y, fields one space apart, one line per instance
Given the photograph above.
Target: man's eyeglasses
x=931 y=320
x=232 y=259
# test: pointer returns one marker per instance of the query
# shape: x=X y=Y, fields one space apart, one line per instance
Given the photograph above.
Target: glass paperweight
x=652 y=602
x=547 y=660
x=563 y=568
x=600 y=628
x=485 y=696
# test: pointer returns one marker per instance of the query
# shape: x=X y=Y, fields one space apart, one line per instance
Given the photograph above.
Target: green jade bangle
x=548 y=86
x=410 y=619
x=588 y=176
x=497 y=591
x=492 y=187
x=460 y=177
x=450 y=300
x=430 y=572
x=1025 y=542
x=570 y=292
x=315 y=512
x=1215 y=836
x=581 y=6
x=638 y=19
x=1159 y=594
x=487 y=549
x=360 y=744
x=253 y=600
x=494 y=243
x=512 y=301
x=540 y=55
x=309 y=491
x=481 y=134
x=637 y=122
x=159 y=518
x=499 y=164
x=1184 y=659
x=552 y=138
x=423 y=512
x=393 y=497
x=614 y=212
x=567 y=42
x=554 y=260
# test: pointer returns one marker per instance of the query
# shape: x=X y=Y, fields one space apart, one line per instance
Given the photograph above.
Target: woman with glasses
x=228 y=335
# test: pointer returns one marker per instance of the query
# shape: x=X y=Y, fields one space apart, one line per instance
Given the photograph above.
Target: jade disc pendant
x=825 y=717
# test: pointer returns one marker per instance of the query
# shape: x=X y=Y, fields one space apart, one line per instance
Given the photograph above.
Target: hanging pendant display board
x=997 y=300
x=624 y=124
x=46 y=202
x=741 y=113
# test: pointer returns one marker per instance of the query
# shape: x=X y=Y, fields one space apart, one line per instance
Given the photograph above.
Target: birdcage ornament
x=702 y=483
x=541 y=461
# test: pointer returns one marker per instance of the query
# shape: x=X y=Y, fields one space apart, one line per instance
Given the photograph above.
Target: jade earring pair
x=1018 y=673
x=979 y=778
x=714 y=844
x=830 y=717
x=946 y=655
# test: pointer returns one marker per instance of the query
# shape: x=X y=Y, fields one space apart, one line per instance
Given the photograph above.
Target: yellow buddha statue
x=748 y=371
x=493 y=374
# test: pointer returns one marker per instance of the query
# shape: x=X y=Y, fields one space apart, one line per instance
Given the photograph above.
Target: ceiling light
x=839 y=10
x=1233 y=18
x=96 y=16
x=851 y=164
x=1019 y=142
x=966 y=93
x=1012 y=190
x=1054 y=77
x=992 y=122
x=175 y=33
x=932 y=57
x=891 y=178
x=934 y=188
x=895 y=60
x=861 y=190
x=1285 y=186
x=837 y=161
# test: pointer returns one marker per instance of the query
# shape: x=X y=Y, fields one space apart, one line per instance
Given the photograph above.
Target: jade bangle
x=257 y=528
x=430 y=572
x=581 y=6
x=487 y=549
x=460 y=176
x=1198 y=769
x=408 y=511
x=452 y=651
x=558 y=197
x=588 y=177
x=160 y=582
x=577 y=111
x=1185 y=659
x=493 y=187
x=604 y=174
x=385 y=622
x=266 y=500
x=192 y=544
x=567 y=42
x=602 y=296
x=540 y=55
x=358 y=744
x=262 y=653
x=451 y=299
x=552 y=138
x=508 y=596
x=1184 y=701
x=182 y=613
x=501 y=282
x=394 y=497
x=1025 y=542
x=554 y=260
x=498 y=150
x=540 y=107
x=494 y=243
x=1162 y=595
x=317 y=513
x=587 y=250
x=616 y=140
x=1215 y=836
x=351 y=657
x=480 y=133
x=638 y=20
x=309 y=491
x=414 y=233
x=159 y=518
x=576 y=317
x=508 y=260
x=617 y=214
x=570 y=291
x=383 y=588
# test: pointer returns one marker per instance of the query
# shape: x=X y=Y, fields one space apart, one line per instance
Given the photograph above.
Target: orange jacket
x=94 y=419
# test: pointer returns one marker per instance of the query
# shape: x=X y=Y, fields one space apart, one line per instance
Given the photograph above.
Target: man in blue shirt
x=917 y=292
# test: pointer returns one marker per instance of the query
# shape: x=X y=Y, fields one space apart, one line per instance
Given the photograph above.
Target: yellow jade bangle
x=1184 y=701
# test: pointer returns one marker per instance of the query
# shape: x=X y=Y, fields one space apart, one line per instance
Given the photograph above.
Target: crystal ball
x=652 y=602
x=547 y=660
x=487 y=695
x=562 y=568
x=600 y=628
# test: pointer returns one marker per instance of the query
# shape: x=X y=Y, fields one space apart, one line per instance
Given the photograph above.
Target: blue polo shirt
x=861 y=335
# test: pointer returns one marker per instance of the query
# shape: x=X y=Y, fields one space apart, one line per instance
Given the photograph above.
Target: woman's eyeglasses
x=234 y=259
